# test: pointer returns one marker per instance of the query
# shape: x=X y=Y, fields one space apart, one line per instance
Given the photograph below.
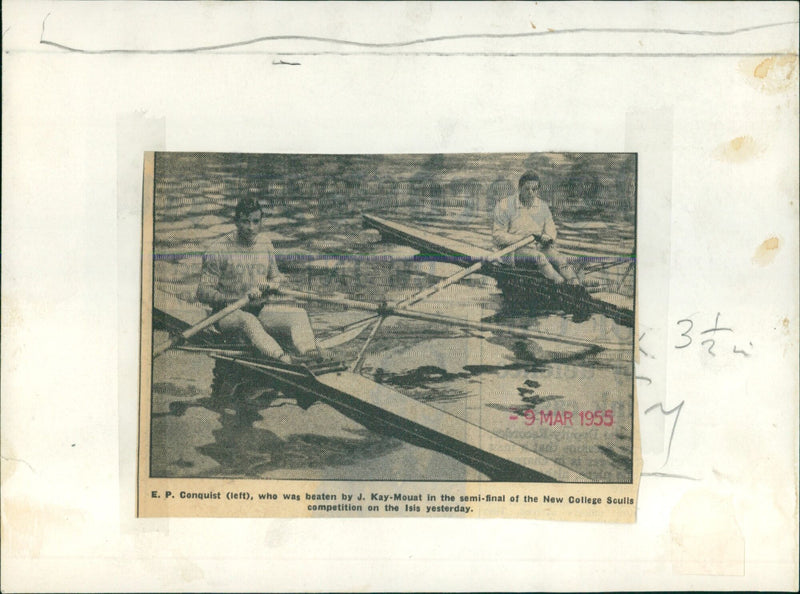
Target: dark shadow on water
x=511 y=310
x=530 y=400
x=530 y=403
x=176 y=389
x=426 y=375
x=421 y=376
x=244 y=450
x=617 y=458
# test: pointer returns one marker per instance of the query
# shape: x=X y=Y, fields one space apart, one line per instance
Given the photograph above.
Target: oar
x=454 y=278
x=186 y=334
x=362 y=354
x=425 y=293
x=358 y=327
x=384 y=310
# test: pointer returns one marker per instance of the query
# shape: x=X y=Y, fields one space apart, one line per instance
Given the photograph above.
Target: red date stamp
x=568 y=418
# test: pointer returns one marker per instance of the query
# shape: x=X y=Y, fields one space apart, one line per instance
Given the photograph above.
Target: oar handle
x=513 y=247
x=213 y=319
x=236 y=305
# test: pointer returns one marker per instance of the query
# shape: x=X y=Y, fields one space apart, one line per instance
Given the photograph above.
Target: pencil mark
x=710 y=348
x=716 y=327
x=668 y=475
x=540 y=54
x=420 y=41
x=44 y=20
x=641 y=350
x=284 y=63
x=645 y=378
x=18 y=460
x=677 y=411
x=685 y=333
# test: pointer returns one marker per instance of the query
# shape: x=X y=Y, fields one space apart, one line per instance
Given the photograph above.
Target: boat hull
x=391 y=413
x=524 y=288
x=378 y=408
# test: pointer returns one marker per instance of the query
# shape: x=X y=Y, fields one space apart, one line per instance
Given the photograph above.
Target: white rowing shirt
x=513 y=221
x=231 y=269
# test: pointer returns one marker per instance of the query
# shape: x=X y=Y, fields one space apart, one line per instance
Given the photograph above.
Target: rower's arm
x=207 y=291
x=500 y=224
x=550 y=226
x=274 y=274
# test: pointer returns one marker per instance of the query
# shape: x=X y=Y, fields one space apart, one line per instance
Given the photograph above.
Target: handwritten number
x=677 y=411
x=710 y=349
x=685 y=334
x=716 y=327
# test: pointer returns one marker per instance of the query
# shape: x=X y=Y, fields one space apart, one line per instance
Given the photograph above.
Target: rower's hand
x=254 y=294
x=545 y=240
x=510 y=240
x=267 y=288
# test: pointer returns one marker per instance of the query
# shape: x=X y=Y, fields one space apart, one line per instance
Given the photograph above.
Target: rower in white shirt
x=527 y=214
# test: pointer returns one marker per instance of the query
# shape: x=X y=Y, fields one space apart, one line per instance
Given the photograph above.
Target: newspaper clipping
x=397 y=335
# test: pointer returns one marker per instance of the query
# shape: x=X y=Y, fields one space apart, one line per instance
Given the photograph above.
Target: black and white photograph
x=440 y=317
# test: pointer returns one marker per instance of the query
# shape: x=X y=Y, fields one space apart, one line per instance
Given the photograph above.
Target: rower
x=527 y=214
x=243 y=263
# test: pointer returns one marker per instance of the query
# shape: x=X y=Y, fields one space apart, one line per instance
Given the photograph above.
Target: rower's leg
x=542 y=263
x=250 y=326
x=561 y=264
x=293 y=320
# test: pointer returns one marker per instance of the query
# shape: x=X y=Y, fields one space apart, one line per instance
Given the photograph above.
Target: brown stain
x=12 y=313
x=765 y=253
x=785 y=323
x=21 y=528
x=737 y=150
x=765 y=66
x=776 y=74
x=532 y=25
x=25 y=525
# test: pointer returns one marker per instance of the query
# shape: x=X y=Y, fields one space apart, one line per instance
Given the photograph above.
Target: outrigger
x=367 y=402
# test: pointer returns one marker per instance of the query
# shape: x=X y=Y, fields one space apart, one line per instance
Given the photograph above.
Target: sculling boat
x=524 y=286
x=375 y=406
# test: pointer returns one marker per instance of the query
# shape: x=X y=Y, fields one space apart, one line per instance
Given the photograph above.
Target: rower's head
x=248 y=220
x=528 y=188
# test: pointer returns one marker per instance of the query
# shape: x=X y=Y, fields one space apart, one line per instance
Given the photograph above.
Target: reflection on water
x=252 y=430
x=239 y=426
x=245 y=450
